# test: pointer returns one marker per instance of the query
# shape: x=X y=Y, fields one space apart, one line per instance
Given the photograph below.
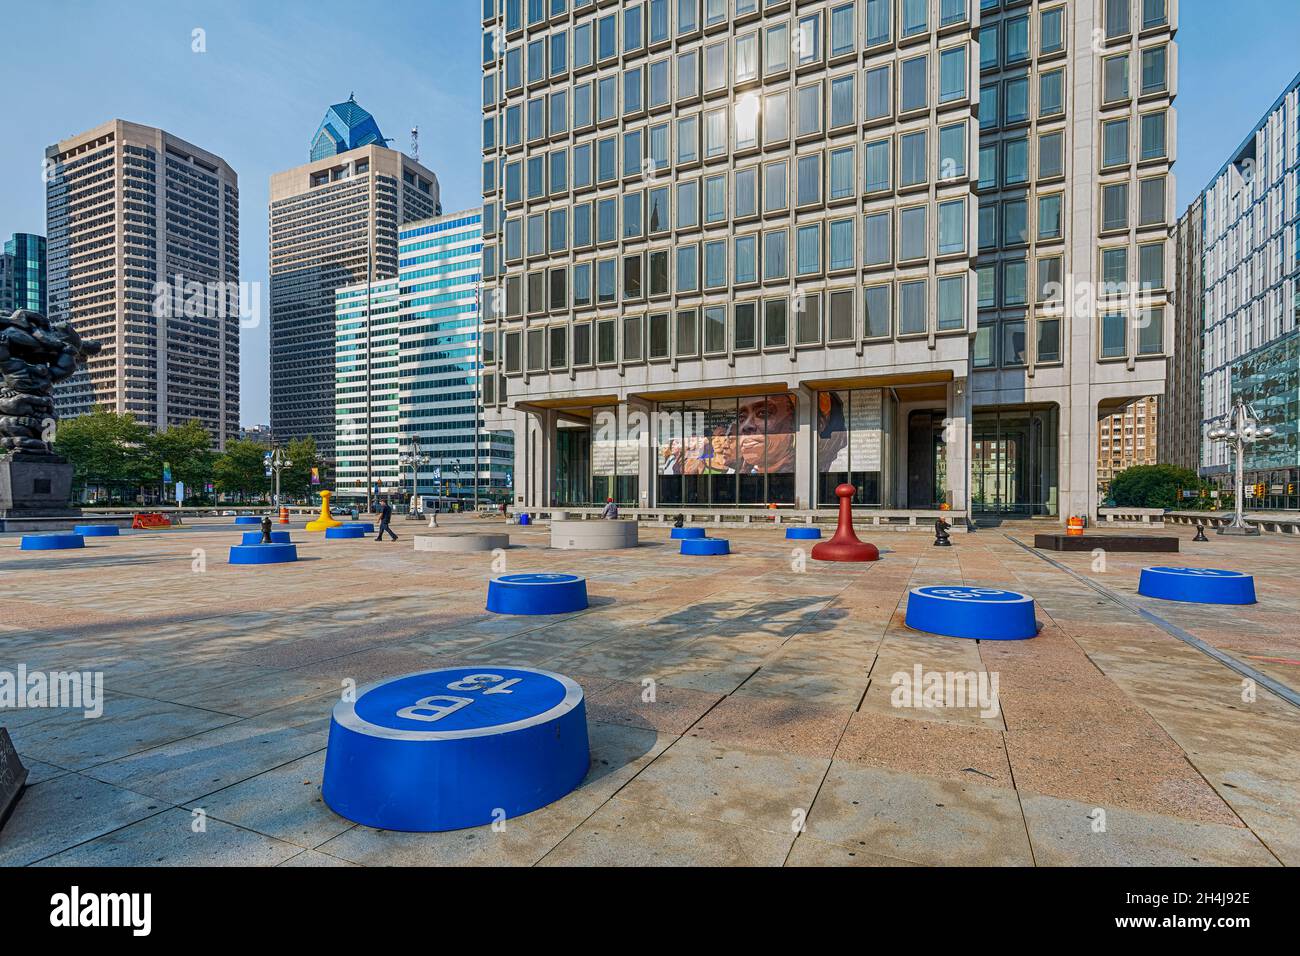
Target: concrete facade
x=143 y=257
x=925 y=243
x=334 y=222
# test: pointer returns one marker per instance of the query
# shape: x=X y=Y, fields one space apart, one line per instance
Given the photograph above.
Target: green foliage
x=1153 y=486
x=240 y=471
x=105 y=449
x=188 y=449
x=295 y=481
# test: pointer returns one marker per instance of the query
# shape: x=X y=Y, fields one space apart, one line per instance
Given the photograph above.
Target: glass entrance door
x=1014 y=463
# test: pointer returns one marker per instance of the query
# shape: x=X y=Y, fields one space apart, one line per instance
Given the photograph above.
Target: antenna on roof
x=415 y=143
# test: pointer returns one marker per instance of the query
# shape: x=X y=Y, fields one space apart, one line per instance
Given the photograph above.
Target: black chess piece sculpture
x=1200 y=532
x=941 y=534
x=679 y=521
x=266 y=529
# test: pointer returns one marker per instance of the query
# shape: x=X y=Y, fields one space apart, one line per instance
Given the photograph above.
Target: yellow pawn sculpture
x=326 y=520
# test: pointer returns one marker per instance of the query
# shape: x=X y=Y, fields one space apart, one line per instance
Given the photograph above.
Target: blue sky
x=272 y=68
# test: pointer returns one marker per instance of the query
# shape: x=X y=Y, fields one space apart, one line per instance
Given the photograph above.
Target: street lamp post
x=415 y=458
x=279 y=461
x=1242 y=428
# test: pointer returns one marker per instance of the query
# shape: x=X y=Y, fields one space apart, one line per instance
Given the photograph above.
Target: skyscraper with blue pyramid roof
x=345 y=126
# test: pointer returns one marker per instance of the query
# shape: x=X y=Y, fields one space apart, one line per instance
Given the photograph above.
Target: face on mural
x=767 y=424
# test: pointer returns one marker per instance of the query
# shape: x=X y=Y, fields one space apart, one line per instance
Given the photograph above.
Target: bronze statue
x=34 y=354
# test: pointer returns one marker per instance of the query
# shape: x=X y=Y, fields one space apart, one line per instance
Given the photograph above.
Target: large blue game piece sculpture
x=263 y=553
x=365 y=526
x=1197 y=585
x=456 y=747
x=706 y=546
x=344 y=532
x=248 y=519
x=52 y=542
x=686 y=534
x=537 y=594
x=988 y=614
x=277 y=537
x=96 y=530
x=803 y=534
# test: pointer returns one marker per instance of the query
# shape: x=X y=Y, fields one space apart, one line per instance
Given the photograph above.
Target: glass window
x=876 y=166
x=880 y=26
x=1113 y=335
x=776 y=256
x=808 y=250
x=952 y=74
x=877 y=239
x=1051 y=163
x=1153 y=136
x=745 y=326
x=1049 y=216
x=912 y=159
x=1017 y=39
x=876 y=311
x=746 y=57
x=1015 y=101
x=776 y=48
x=688 y=139
x=1051 y=93
x=776 y=323
x=809 y=180
x=912 y=307
x=1051 y=31
x=1014 y=346
x=688 y=267
x=842 y=110
x=715 y=329
x=1151 y=265
x=746 y=260
x=688 y=204
x=843 y=35
x=1015 y=222
x=839 y=319
x=715 y=264
x=1151 y=201
x=915 y=17
x=912 y=237
x=687 y=332
x=1114 y=78
x=878 y=94
x=809 y=116
x=746 y=192
x=1015 y=161
x=1014 y=280
x=841 y=254
x=776 y=117
x=1117 y=18
x=1151 y=332
x=952 y=227
x=914 y=84
x=715 y=198
x=951 y=305
x=774 y=187
x=952 y=151
x=1114 y=142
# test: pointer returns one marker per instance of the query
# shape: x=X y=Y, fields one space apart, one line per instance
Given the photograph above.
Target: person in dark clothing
x=385 y=516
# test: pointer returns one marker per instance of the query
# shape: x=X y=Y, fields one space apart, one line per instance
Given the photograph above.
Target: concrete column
x=521 y=468
x=548 y=441
x=957 y=442
x=805 y=471
x=640 y=418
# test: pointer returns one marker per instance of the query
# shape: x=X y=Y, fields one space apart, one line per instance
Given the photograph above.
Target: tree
x=188 y=449
x=240 y=469
x=105 y=449
x=295 y=481
x=1152 y=486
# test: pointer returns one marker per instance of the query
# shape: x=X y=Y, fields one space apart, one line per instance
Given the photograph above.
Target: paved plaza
x=742 y=710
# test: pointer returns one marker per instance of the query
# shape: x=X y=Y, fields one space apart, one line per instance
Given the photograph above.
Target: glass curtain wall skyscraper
x=424 y=359
x=23 y=274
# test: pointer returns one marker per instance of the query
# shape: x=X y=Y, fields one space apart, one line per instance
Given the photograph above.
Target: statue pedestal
x=35 y=486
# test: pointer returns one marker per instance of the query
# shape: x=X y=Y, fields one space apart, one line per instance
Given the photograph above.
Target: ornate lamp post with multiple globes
x=1241 y=429
x=414 y=458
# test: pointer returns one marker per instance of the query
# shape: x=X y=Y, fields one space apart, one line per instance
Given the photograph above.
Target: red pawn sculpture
x=845 y=546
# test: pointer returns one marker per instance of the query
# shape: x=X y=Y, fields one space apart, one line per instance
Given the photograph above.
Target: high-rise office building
x=1180 y=425
x=1128 y=437
x=334 y=222
x=23 y=274
x=1246 y=268
x=143 y=250
x=748 y=250
x=407 y=373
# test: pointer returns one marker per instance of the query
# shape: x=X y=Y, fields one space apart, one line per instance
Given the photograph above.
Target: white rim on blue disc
x=345 y=712
x=537 y=579
x=972 y=595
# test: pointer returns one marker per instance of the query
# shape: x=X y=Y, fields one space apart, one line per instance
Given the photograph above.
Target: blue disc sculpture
x=52 y=542
x=685 y=534
x=96 y=530
x=988 y=614
x=1197 y=585
x=803 y=534
x=706 y=546
x=248 y=519
x=457 y=747
x=365 y=526
x=263 y=553
x=345 y=531
x=537 y=594
x=277 y=537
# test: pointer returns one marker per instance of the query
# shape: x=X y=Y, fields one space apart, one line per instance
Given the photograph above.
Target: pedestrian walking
x=385 y=516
